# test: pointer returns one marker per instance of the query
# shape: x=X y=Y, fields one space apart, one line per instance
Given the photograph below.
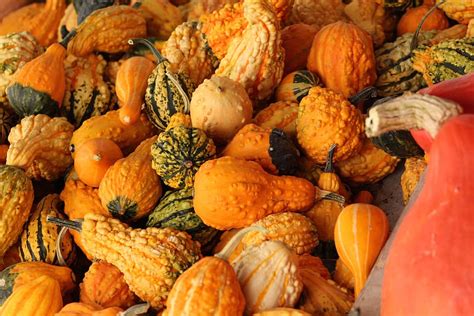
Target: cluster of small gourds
x=205 y=157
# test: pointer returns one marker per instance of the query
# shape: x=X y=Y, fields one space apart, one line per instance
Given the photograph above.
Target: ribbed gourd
x=395 y=73
x=160 y=254
x=8 y=119
x=131 y=188
x=16 y=49
x=167 y=92
x=447 y=60
x=38 y=240
x=179 y=152
x=87 y=94
x=175 y=210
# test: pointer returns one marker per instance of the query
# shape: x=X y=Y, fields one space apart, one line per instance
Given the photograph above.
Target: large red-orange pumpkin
x=429 y=270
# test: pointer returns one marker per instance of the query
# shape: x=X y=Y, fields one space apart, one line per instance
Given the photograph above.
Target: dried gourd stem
x=364 y=94
x=414 y=40
x=149 y=45
x=329 y=160
x=410 y=111
x=225 y=253
x=75 y=225
x=59 y=241
x=68 y=38
x=135 y=310
x=327 y=195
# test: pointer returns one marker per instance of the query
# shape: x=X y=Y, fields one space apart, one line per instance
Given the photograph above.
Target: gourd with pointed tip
x=360 y=233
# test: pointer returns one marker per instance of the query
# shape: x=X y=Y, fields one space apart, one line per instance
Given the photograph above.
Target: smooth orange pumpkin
x=93 y=158
x=413 y=17
x=360 y=233
x=130 y=86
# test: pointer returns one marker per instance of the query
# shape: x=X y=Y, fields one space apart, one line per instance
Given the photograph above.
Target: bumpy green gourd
x=395 y=68
x=176 y=210
x=178 y=153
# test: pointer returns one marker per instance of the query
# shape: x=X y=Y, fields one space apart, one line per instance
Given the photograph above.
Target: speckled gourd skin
x=316 y=13
x=107 y=30
x=40 y=146
x=268 y=276
x=109 y=126
x=104 y=286
x=87 y=94
x=188 y=52
x=325 y=117
x=131 y=188
x=324 y=214
x=160 y=255
x=281 y=114
x=414 y=168
x=38 y=240
x=256 y=59
x=16 y=199
x=342 y=55
x=234 y=193
x=16 y=49
x=459 y=10
x=370 y=165
x=209 y=287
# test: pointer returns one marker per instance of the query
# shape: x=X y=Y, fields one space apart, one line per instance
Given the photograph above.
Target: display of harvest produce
x=226 y=157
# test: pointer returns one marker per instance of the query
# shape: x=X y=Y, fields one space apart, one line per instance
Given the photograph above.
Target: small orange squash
x=130 y=86
x=93 y=158
x=413 y=17
x=360 y=233
x=342 y=55
x=81 y=309
x=296 y=39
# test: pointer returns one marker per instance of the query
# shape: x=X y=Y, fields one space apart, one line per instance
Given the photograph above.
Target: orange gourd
x=3 y=153
x=364 y=197
x=360 y=233
x=130 y=86
x=296 y=40
x=342 y=55
x=93 y=158
x=413 y=17
x=81 y=309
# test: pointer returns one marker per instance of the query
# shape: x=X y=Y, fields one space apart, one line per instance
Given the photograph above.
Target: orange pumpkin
x=413 y=17
x=360 y=233
x=342 y=55
x=93 y=158
x=296 y=39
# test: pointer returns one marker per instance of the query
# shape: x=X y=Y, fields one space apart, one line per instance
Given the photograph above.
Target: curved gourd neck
x=150 y=46
x=329 y=168
x=225 y=253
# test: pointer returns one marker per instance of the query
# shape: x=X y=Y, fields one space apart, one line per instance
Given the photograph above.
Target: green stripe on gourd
x=295 y=86
x=395 y=68
x=175 y=210
x=167 y=93
x=178 y=153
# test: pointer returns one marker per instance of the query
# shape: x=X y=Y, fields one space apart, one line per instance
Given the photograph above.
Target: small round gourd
x=412 y=18
x=295 y=86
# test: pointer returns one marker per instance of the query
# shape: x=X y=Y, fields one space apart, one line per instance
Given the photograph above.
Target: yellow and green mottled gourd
x=16 y=199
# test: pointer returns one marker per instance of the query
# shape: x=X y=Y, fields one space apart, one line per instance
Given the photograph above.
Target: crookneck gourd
x=256 y=59
x=414 y=168
x=40 y=145
x=178 y=153
x=271 y=148
x=41 y=20
x=38 y=240
x=346 y=65
x=295 y=86
x=20 y=274
x=16 y=199
x=39 y=86
x=131 y=188
x=325 y=118
x=188 y=52
x=281 y=115
x=87 y=93
x=107 y=30
x=220 y=107
x=234 y=193
x=176 y=210
x=104 y=286
x=167 y=92
x=160 y=254
x=16 y=49
x=446 y=60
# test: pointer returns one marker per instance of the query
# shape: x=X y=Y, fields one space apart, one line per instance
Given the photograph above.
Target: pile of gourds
x=215 y=157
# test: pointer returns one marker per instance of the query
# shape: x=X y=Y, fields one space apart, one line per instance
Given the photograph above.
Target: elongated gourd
x=233 y=193
x=160 y=255
x=360 y=233
x=130 y=86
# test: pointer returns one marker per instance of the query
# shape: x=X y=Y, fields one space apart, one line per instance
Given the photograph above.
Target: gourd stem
x=225 y=253
x=362 y=95
x=329 y=160
x=410 y=111
x=59 y=241
x=414 y=40
x=327 y=195
x=75 y=225
x=68 y=38
x=150 y=46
